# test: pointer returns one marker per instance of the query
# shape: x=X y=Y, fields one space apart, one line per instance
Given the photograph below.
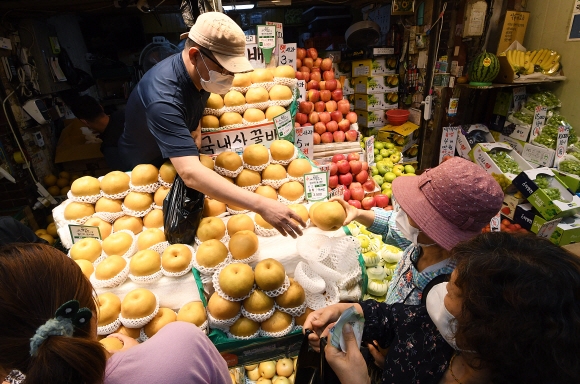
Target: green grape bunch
x=505 y=162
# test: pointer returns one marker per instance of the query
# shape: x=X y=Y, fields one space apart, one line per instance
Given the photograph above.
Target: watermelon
x=483 y=69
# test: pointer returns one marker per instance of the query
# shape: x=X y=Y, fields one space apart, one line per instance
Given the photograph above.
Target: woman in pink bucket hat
x=432 y=213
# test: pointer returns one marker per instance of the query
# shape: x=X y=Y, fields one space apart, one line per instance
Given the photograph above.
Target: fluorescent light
x=238 y=7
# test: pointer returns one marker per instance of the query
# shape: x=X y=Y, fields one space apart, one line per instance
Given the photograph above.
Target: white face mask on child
x=411 y=233
x=443 y=320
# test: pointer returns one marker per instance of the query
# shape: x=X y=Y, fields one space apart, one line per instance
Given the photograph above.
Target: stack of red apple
x=353 y=175
x=324 y=107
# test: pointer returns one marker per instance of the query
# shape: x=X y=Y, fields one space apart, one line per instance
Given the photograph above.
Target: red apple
x=333 y=181
x=351 y=116
x=300 y=53
x=317 y=62
x=365 y=166
x=326 y=64
x=354 y=185
x=306 y=76
x=308 y=62
x=325 y=95
x=304 y=68
x=336 y=94
x=296 y=125
x=351 y=135
x=346 y=194
x=298 y=63
x=331 y=84
x=319 y=128
x=338 y=136
x=328 y=75
x=344 y=125
x=299 y=75
x=312 y=52
x=355 y=203
x=301 y=118
x=322 y=85
x=343 y=106
x=331 y=106
x=315 y=76
x=357 y=193
x=305 y=107
x=319 y=106
x=326 y=137
x=313 y=118
x=353 y=156
x=382 y=200
x=355 y=168
x=333 y=169
x=313 y=95
x=312 y=84
x=339 y=156
x=336 y=116
x=307 y=125
x=332 y=126
x=345 y=179
x=315 y=138
x=324 y=116
x=315 y=69
x=369 y=185
x=362 y=176
x=368 y=203
x=343 y=167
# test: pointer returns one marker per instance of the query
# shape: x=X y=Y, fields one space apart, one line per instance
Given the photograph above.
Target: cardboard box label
x=514 y=29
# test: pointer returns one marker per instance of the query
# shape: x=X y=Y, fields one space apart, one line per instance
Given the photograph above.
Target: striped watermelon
x=484 y=68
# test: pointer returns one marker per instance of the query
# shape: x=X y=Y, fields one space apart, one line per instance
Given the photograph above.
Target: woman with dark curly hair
x=509 y=314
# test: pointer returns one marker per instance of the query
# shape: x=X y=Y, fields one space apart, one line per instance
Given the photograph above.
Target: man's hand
x=320 y=320
x=196 y=135
x=285 y=220
x=350 y=367
x=128 y=342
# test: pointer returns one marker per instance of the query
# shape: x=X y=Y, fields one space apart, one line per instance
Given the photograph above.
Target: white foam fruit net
x=109 y=217
x=224 y=239
x=148 y=279
x=114 y=281
x=278 y=334
x=109 y=328
x=298 y=179
x=163 y=182
x=132 y=249
x=159 y=247
x=234 y=212
x=292 y=83
x=268 y=85
x=251 y=188
x=257 y=168
x=295 y=311
x=143 y=336
x=285 y=201
x=254 y=336
x=211 y=270
x=247 y=260
x=276 y=184
x=185 y=271
x=116 y=196
x=140 y=322
x=261 y=231
x=221 y=324
x=227 y=172
x=308 y=279
x=149 y=188
x=214 y=112
x=130 y=212
x=286 y=162
x=278 y=291
x=216 y=285
x=92 y=199
x=258 y=317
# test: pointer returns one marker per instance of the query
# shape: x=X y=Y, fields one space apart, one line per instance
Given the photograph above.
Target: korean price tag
x=285 y=126
x=548 y=228
x=304 y=140
x=448 y=142
x=519 y=98
x=266 y=40
x=302 y=89
x=279 y=32
x=78 y=232
x=370 y=150
x=338 y=191
x=495 y=223
x=315 y=186
x=538 y=122
x=562 y=143
x=287 y=54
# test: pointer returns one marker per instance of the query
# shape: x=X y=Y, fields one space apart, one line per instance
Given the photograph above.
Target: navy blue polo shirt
x=162 y=111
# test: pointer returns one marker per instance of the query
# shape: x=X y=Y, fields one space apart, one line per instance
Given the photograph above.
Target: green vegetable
x=570 y=166
x=504 y=161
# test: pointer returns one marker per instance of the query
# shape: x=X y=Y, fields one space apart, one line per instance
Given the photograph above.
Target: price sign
x=448 y=142
x=287 y=55
x=213 y=143
x=78 y=232
x=315 y=186
x=284 y=126
x=495 y=223
x=304 y=140
x=538 y=122
x=279 y=32
x=370 y=150
x=562 y=143
x=548 y=228
x=302 y=89
x=338 y=191
x=266 y=40
x=519 y=98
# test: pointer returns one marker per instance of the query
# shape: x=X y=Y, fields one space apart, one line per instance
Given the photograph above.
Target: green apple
x=384 y=153
x=386 y=185
x=379 y=145
x=395 y=157
x=389 y=163
x=378 y=158
x=376 y=151
x=398 y=169
x=389 y=145
x=379 y=179
x=409 y=169
x=383 y=168
x=388 y=192
x=374 y=170
x=389 y=177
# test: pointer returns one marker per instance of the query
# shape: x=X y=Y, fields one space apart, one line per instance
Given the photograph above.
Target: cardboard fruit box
x=376 y=84
x=535 y=155
x=567 y=231
x=371 y=67
x=567 y=205
x=571 y=181
x=375 y=102
x=526 y=216
x=463 y=146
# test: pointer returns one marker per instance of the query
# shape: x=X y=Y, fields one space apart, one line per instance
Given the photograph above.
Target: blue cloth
x=385 y=225
x=162 y=111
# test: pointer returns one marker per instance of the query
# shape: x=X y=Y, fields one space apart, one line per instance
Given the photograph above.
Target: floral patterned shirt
x=418 y=354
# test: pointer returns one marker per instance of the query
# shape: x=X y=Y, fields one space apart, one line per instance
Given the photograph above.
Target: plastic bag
x=182 y=212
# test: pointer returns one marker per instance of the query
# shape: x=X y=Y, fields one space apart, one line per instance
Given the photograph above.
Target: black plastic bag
x=312 y=367
x=182 y=212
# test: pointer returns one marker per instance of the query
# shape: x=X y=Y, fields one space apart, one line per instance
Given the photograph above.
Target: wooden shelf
x=499 y=85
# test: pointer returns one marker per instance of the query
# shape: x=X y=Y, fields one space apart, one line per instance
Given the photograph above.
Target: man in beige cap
x=165 y=108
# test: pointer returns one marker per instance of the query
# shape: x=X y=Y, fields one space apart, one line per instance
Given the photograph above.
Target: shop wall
x=548 y=28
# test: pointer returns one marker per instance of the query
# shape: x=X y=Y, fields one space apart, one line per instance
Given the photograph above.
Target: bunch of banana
x=545 y=61
x=516 y=60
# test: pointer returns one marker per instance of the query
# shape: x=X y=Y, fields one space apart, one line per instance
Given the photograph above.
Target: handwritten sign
x=302 y=90
x=338 y=191
x=519 y=98
x=370 y=150
x=495 y=223
x=78 y=232
x=539 y=121
x=448 y=142
x=315 y=186
x=304 y=140
x=214 y=143
x=284 y=125
x=287 y=54
x=562 y=143
x=548 y=228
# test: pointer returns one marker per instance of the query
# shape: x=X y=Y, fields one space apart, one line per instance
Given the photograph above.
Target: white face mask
x=411 y=233
x=218 y=83
x=443 y=320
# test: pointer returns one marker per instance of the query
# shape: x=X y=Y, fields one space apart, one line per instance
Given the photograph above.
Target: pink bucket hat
x=451 y=202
